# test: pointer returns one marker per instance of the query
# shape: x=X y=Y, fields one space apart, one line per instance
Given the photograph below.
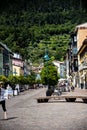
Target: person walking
x=2 y=99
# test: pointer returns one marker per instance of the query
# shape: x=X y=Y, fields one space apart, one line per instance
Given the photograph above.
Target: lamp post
x=46 y=58
x=49 y=90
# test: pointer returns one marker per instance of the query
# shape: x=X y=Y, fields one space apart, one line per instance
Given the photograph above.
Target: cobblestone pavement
x=24 y=113
x=77 y=91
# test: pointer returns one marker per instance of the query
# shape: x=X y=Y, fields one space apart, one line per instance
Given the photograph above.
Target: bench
x=68 y=98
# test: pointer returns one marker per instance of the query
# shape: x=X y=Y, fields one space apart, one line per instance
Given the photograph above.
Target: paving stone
x=24 y=113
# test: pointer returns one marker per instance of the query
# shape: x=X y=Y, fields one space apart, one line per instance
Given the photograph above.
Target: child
x=2 y=99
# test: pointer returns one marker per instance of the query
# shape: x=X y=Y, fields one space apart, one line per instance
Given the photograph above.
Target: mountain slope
x=29 y=27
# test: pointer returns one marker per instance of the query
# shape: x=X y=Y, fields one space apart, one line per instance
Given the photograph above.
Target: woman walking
x=2 y=99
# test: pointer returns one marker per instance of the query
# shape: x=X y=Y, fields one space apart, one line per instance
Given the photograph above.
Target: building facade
x=5 y=60
x=74 y=60
x=76 y=57
x=82 y=58
x=81 y=32
x=60 y=68
x=17 y=65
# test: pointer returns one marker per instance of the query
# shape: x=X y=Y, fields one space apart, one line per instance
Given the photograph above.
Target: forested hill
x=29 y=26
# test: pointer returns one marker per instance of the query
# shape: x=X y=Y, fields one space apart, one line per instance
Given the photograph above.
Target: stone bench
x=68 y=98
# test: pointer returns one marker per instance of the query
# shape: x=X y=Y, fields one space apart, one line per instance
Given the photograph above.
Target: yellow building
x=82 y=58
x=17 y=70
x=81 y=31
x=18 y=65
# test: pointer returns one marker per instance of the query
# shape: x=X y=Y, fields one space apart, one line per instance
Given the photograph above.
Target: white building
x=60 y=68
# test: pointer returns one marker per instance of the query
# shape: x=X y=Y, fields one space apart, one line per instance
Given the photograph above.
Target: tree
x=49 y=75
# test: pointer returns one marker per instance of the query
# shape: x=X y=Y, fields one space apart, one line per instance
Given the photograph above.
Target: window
x=74 y=50
x=75 y=39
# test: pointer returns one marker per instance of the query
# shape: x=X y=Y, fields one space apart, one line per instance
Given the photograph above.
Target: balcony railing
x=82 y=66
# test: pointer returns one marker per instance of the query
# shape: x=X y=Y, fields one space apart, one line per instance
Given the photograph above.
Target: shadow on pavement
x=10 y=118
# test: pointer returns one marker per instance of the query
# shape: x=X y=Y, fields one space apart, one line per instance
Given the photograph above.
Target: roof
x=81 y=26
x=5 y=47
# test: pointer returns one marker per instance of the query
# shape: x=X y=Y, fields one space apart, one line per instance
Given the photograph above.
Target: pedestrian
x=2 y=99
x=17 y=88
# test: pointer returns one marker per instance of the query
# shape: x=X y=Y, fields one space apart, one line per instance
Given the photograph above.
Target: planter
x=84 y=100
x=70 y=99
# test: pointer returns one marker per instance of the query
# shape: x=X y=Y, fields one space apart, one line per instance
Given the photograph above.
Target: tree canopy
x=49 y=75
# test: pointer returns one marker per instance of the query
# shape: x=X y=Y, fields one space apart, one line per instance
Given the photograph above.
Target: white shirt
x=2 y=97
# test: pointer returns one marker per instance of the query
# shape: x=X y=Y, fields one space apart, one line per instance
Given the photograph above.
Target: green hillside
x=28 y=27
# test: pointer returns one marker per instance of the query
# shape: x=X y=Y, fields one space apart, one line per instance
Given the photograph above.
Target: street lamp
x=46 y=58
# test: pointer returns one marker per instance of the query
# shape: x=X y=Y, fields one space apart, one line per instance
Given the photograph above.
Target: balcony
x=82 y=66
